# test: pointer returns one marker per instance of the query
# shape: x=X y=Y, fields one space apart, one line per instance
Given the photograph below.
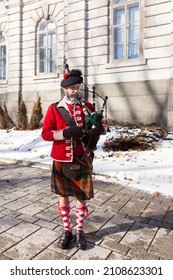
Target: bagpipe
x=95 y=118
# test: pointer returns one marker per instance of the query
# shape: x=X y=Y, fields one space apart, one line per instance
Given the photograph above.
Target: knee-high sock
x=80 y=215
x=65 y=215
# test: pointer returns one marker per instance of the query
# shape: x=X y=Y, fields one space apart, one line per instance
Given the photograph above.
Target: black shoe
x=81 y=242
x=65 y=239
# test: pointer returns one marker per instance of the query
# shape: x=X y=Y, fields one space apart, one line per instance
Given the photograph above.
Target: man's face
x=72 y=92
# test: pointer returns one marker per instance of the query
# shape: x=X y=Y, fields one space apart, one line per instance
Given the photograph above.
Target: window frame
x=47 y=60
x=126 y=61
x=4 y=44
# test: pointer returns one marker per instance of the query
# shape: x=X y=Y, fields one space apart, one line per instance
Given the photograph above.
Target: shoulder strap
x=66 y=116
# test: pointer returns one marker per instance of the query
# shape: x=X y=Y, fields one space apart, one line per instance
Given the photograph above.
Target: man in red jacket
x=69 y=143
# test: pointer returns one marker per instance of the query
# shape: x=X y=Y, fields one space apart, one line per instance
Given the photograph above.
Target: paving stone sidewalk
x=124 y=223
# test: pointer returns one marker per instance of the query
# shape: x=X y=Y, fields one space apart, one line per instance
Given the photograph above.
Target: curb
x=28 y=163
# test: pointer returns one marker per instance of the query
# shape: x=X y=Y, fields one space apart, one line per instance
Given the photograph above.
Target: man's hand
x=73 y=131
x=97 y=131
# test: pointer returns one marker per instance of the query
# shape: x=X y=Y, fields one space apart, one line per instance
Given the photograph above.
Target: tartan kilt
x=81 y=188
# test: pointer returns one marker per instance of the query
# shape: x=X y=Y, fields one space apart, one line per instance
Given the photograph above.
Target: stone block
x=97 y=253
x=23 y=229
x=80 y=17
x=48 y=254
x=97 y=31
x=46 y=224
x=7 y=240
x=98 y=4
x=98 y=41
x=76 y=7
x=97 y=51
x=101 y=21
x=158 y=52
x=162 y=8
x=139 y=236
x=99 y=12
x=115 y=228
x=163 y=240
x=8 y=222
x=31 y=246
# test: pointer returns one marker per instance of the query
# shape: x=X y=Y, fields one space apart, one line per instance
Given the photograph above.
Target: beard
x=72 y=98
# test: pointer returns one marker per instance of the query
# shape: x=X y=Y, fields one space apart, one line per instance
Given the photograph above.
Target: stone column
x=14 y=55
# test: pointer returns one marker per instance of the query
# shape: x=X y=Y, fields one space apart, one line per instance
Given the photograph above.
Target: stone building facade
x=123 y=47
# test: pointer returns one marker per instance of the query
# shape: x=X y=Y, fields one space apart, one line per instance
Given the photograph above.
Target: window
x=46 y=47
x=2 y=58
x=126 y=33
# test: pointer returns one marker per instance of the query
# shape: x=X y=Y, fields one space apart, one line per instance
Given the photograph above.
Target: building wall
x=138 y=91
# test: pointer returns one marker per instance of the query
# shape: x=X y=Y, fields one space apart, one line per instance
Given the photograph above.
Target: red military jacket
x=64 y=149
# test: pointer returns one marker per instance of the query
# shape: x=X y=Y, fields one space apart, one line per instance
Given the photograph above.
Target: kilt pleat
x=81 y=188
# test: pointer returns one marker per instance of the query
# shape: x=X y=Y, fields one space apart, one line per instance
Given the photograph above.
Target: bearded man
x=72 y=142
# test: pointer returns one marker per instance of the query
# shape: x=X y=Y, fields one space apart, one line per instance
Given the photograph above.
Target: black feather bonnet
x=72 y=78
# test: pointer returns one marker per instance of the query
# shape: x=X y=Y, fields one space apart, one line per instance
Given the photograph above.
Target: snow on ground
x=151 y=170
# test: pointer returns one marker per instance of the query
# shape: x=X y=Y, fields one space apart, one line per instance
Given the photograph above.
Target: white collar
x=70 y=102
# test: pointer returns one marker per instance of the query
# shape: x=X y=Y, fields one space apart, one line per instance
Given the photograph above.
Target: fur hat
x=72 y=78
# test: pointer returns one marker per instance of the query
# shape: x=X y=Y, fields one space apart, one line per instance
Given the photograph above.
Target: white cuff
x=58 y=135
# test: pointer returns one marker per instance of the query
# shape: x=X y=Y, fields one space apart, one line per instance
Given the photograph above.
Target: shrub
x=36 y=115
x=22 y=120
x=3 y=122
